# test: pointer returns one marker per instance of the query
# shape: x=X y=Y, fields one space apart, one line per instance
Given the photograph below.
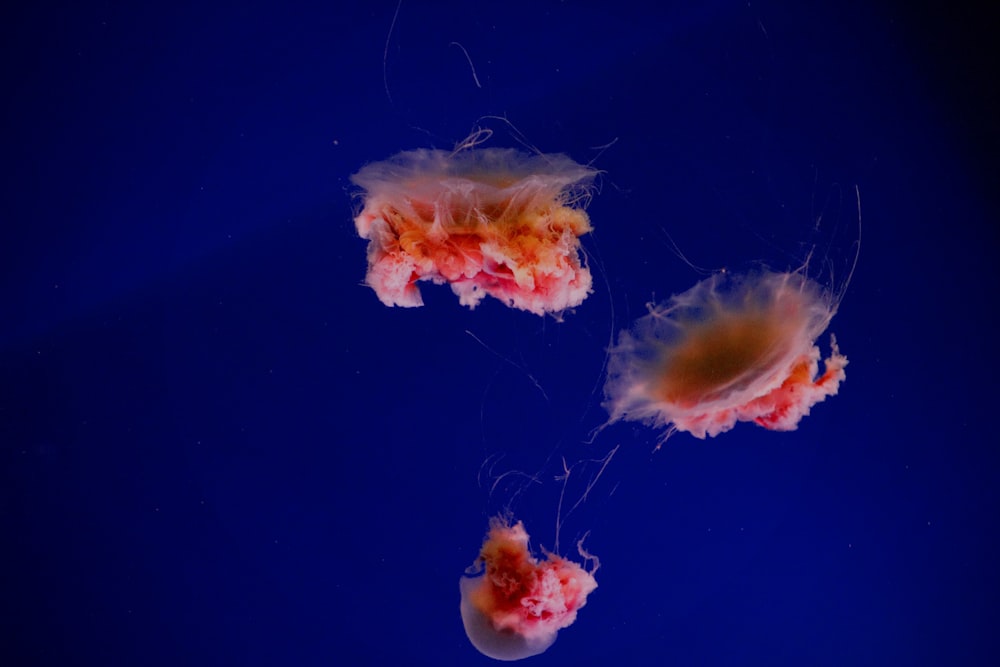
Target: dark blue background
x=218 y=447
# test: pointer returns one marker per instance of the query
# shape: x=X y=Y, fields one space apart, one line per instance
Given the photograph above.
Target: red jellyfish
x=732 y=348
x=486 y=221
x=516 y=605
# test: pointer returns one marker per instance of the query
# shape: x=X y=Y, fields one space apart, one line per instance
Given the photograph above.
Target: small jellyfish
x=513 y=605
x=732 y=348
x=495 y=222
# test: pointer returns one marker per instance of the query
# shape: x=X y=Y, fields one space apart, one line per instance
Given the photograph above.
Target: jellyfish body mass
x=492 y=222
x=732 y=348
x=515 y=605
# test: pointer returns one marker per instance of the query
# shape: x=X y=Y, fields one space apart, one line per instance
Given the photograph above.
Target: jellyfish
x=732 y=348
x=494 y=221
x=514 y=605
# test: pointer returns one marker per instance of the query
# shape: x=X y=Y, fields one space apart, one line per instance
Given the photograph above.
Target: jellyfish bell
x=499 y=644
x=486 y=221
x=735 y=347
x=513 y=604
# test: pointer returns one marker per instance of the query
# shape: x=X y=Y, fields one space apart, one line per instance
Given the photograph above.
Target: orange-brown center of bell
x=715 y=354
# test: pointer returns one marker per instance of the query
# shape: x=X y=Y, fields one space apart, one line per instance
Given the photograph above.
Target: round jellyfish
x=732 y=348
x=514 y=605
x=495 y=222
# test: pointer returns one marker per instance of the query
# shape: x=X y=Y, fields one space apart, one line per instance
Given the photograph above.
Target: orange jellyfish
x=492 y=222
x=732 y=348
x=516 y=605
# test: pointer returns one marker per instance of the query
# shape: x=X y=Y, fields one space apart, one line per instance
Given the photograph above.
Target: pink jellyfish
x=732 y=348
x=492 y=222
x=517 y=604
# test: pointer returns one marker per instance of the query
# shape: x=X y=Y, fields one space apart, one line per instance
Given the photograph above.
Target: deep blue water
x=218 y=448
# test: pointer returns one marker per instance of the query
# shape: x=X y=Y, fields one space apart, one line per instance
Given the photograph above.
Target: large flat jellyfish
x=495 y=222
x=732 y=348
x=515 y=605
